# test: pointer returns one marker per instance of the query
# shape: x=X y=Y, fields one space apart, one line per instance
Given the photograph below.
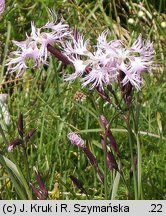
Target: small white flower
x=146 y=51
x=130 y=76
x=137 y=60
x=110 y=46
x=96 y=77
x=76 y=46
x=35 y=46
x=25 y=52
x=103 y=72
x=78 y=54
x=80 y=67
x=60 y=29
x=43 y=39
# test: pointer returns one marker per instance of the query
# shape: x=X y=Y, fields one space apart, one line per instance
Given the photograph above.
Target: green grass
x=47 y=103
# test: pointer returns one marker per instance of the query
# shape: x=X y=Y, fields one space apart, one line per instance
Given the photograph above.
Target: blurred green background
x=48 y=103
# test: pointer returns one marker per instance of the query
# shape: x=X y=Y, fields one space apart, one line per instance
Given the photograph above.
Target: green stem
x=124 y=180
x=139 y=166
x=132 y=158
x=65 y=185
x=26 y=163
x=3 y=135
x=105 y=168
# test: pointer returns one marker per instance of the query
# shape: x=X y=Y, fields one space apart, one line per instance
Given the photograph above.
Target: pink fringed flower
x=135 y=60
x=100 y=65
x=42 y=38
x=35 y=46
x=27 y=50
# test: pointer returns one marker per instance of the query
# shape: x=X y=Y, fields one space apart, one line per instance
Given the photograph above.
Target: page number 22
x=156 y=208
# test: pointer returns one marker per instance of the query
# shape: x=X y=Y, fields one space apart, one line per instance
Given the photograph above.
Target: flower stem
x=132 y=156
x=105 y=167
x=139 y=167
x=26 y=162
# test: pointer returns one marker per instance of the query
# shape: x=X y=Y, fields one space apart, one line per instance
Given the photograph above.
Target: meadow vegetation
x=53 y=107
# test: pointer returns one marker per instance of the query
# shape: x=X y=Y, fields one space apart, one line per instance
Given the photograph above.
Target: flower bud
x=30 y=134
x=20 y=125
x=58 y=54
x=14 y=143
x=40 y=182
x=77 y=182
x=111 y=162
x=76 y=139
x=110 y=136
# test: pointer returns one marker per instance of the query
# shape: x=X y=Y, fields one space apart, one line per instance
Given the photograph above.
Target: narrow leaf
x=14 y=176
x=115 y=186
